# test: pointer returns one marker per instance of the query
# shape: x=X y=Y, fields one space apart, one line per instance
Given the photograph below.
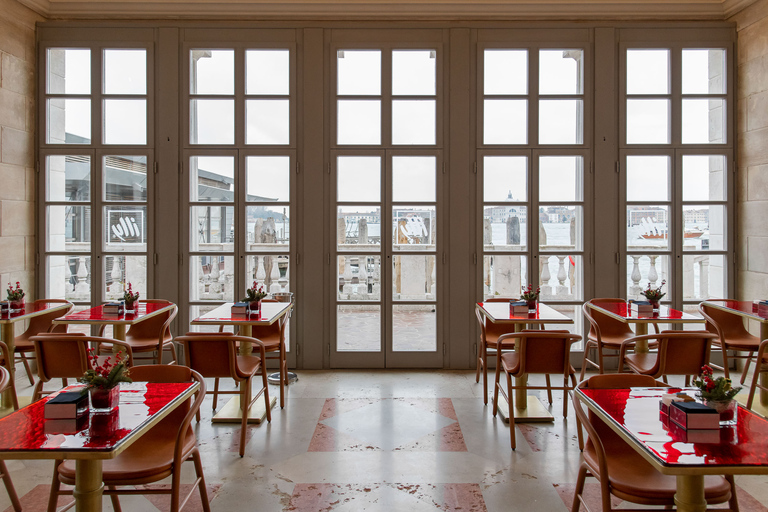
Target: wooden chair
x=150 y=336
x=39 y=324
x=5 y=381
x=731 y=335
x=489 y=336
x=761 y=366
x=215 y=355
x=156 y=455
x=10 y=384
x=273 y=338
x=65 y=356
x=623 y=472
x=605 y=334
x=679 y=353
x=542 y=352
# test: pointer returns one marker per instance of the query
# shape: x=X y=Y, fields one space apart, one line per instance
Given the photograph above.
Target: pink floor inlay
x=445 y=497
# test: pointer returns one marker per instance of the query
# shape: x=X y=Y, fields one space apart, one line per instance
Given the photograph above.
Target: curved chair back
x=680 y=352
x=489 y=331
x=44 y=323
x=603 y=326
x=274 y=331
x=545 y=351
x=158 y=326
x=6 y=356
x=214 y=355
x=723 y=323
x=5 y=377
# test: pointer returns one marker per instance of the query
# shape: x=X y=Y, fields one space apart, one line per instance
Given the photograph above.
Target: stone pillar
x=362 y=232
x=513 y=231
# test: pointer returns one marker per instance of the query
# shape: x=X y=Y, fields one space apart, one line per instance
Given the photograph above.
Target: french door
x=385 y=260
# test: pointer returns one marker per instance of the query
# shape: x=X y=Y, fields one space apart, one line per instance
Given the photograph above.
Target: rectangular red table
x=96 y=316
x=622 y=311
x=634 y=415
x=142 y=405
x=270 y=313
x=527 y=408
x=7 y=320
x=746 y=309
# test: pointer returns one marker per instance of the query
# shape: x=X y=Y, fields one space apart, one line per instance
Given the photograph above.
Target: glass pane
x=561 y=71
x=358 y=122
x=704 y=71
x=413 y=178
x=212 y=178
x=704 y=227
x=505 y=228
x=359 y=72
x=647 y=121
x=414 y=277
x=69 y=277
x=268 y=178
x=197 y=312
x=647 y=226
x=505 y=72
x=645 y=269
x=413 y=72
x=505 y=178
x=704 y=121
x=68 y=121
x=358 y=228
x=561 y=277
x=647 y=71
x=648 y=178
x=68 y=228
x=125 y=178
x=267 y=122
x=268 y=227
x=268 y=271
x=125 y=121
x=125 y=228
x=563 y=228
x=704 y=276
x=504 y=276
x=561 y=121
x=68 y=178
x=359 y=178
x=211 y=122
x=359 y=277
x=212 y=278
x=358 y=328
x=267 y=71
x=413 y=122
x=119 y=271
x=414 y=228
x=575 y=314
x=414 y=328
x=704 y=177
x=211 y=228
x=212 y=71
x=125 y=71
x=505 y=121
x=69 y=71
x=561 y=178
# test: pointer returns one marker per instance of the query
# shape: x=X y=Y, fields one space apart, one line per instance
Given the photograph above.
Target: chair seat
x=633 y=475
x=247 y=365
x=743 y=343
x=510 y=361
x=642 y=362
x=137 y=344
x=149 y=456
x=23 y=345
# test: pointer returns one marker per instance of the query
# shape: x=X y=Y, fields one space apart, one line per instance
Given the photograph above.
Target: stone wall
x=17 y=135
x=752 y=152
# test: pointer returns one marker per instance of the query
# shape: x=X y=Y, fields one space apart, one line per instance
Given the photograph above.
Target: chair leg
x=511 y=402
x=215 y=392
x=549 y=389
x=201 y=484
x=479 y=362
x=115 y=499
x=9 y=487
x=746 y=368
x=584 y=362
x=25 y=361
x=265 y=383
x=280 y=361
x=175 y=489
x=244 y=405
x=733 y=503
x=53 y=497
x=485 y=375
x=37 y=392
x=579 y=488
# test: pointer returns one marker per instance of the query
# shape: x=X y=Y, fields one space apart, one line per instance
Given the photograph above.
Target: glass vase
x=254 y=307
x=728 y=410
x=655 y=305
x=104 y=400
x=130 y=308
x=531 y=306
x=16 y=306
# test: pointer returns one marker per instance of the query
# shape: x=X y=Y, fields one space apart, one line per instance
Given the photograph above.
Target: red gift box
x=693 y=415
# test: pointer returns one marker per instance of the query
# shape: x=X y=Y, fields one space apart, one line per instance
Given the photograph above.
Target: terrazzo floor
x=378 y=441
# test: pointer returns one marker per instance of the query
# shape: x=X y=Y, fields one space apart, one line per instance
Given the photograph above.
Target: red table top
x=622 y=311
x=96 y=315
x=742 y=307
x=222 y=315
x=31 y=309
x=636 y=412
x=26 y=434
x=498 y=312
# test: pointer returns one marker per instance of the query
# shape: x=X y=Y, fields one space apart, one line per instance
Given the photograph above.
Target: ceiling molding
x=389 y=9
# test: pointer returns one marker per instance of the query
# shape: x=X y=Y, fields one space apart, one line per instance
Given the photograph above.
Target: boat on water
x=663 y=234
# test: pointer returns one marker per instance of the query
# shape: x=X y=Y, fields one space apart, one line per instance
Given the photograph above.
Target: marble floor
x=378 y=441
